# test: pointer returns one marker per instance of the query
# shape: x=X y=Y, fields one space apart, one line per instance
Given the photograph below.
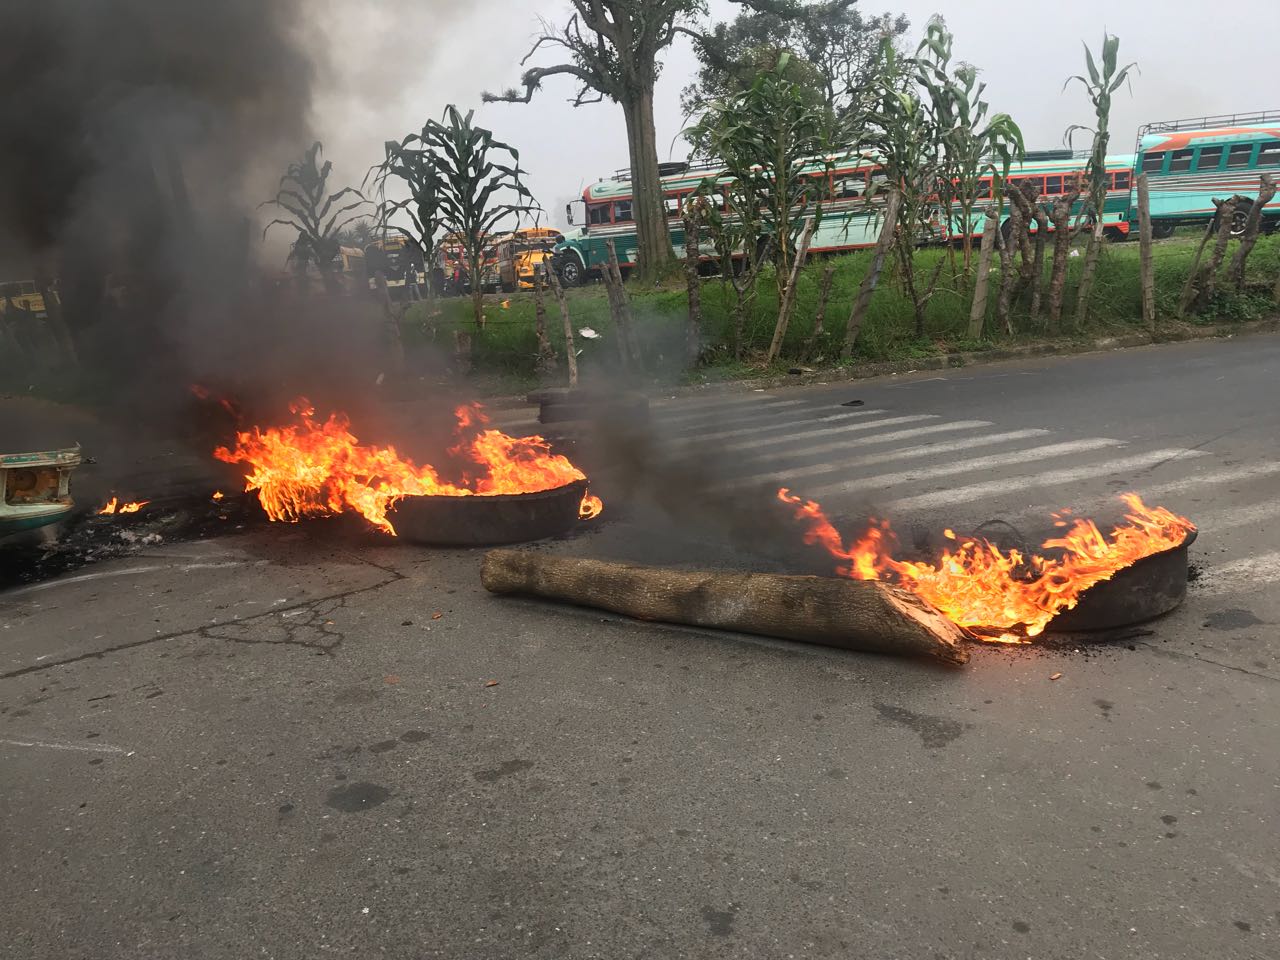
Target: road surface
x=292 y=742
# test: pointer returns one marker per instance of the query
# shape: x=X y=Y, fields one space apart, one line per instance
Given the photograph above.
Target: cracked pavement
x=298 y=742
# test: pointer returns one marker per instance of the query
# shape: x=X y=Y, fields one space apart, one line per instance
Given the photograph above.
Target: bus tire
x=1239 y=218
x=572 y=273
x=1162 y=229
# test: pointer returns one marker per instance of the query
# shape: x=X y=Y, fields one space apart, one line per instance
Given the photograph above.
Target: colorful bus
x=513 y=260
x=1189 y=163
x=850 y=220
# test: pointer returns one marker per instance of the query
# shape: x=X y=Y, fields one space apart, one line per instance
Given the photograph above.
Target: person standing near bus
x=411 y=291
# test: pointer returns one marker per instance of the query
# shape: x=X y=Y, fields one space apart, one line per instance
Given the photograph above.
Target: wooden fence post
x=571 y=355
x=820 y=312
x=1188 y=289
x=692 y=260
x=1146 y=266
x=978 y=309
x=1266 y=193
x=546 y=354
x=623 y=318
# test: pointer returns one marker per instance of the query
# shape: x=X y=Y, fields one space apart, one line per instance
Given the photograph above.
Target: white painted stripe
x=748 y=431
x=828 y=431
x=875 y=439
x=1151 y=493
x=995 y=461
x=889 y=456
x=1005 y=485
x=56 y=745
x=765 y=405
x=67 y=581
x=1239 y=576
x=1244 y=517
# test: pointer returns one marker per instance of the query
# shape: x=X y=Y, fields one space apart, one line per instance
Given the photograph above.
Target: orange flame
x=312 y=468
x=1002 y=597
x=114 y=506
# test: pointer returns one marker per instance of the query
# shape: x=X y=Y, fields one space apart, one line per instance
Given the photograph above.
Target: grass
x=506 y=348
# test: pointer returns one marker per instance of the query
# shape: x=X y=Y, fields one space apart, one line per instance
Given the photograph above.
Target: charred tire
x=572 y=272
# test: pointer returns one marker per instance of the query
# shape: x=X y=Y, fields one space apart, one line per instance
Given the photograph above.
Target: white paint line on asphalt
x=188 y=567
x=1240 y=575
x=840 y=446
x=828 y=431
x=993 y=462
x=757 y=428
x=82 y=578
x=1150 y=494
x=1243 y=517
x=758 y=405
x=58 y=745
x=1006 y=485
x=889 y=456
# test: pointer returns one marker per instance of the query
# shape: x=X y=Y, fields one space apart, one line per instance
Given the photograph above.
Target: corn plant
x=476 y=191
x=409 y=161
x=1101 y=84
x=314 y=213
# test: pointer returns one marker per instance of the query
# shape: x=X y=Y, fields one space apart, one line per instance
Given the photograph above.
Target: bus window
x=1052 y=186
x=852 y=186
x=1269 y=154
x=672 y=203
x=1122 y=180
x=1153 y=163
x=598 y=213
x=1240 y=155
x=621 y=211
x=1180 y=162
x=984 y=189
x=1210 y=158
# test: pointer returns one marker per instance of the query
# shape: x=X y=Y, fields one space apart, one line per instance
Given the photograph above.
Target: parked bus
x=850 y=220
x=1188 y=163
x=514 y=259
x=24 y=298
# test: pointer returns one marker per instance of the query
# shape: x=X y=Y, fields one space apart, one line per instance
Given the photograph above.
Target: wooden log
x=835 y=612
x=1147 y=268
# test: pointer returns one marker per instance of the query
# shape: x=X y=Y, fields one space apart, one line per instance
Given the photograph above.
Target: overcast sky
x=396 y=62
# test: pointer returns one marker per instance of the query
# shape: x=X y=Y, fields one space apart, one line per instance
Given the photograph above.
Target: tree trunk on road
x=832 y=611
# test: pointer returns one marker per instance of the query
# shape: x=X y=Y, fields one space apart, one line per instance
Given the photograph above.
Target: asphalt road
x=294 y=742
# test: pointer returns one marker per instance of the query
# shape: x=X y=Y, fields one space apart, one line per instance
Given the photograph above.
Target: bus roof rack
x=667 y=168
x=1206 y=123
x=1060 y=154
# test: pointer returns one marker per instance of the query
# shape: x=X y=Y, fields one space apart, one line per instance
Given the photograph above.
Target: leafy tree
x=612 y=49
x=304 y=195
x=359 y=233
x=1101 y=84
x=833 y=47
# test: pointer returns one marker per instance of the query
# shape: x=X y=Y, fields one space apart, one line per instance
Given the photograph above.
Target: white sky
x=396 y=62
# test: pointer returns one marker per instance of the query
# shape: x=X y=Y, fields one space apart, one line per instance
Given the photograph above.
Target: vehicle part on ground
x=35 y=488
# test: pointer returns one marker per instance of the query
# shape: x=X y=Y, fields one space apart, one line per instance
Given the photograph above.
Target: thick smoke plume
x=140 y=136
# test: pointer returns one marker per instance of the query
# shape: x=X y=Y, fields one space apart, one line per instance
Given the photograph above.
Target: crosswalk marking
x=828 y=431
x=1240 y=575
x=1242 y=517
x=1151 y=493
x=792 y=425
x=889 y=456
x=1050 y=478
x=759 y=405
x=995 y=461
x=875 y=439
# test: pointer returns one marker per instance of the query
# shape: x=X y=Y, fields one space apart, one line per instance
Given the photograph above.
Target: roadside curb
x=946 y=361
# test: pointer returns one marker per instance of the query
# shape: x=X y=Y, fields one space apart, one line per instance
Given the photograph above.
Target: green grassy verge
x=505 y=350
